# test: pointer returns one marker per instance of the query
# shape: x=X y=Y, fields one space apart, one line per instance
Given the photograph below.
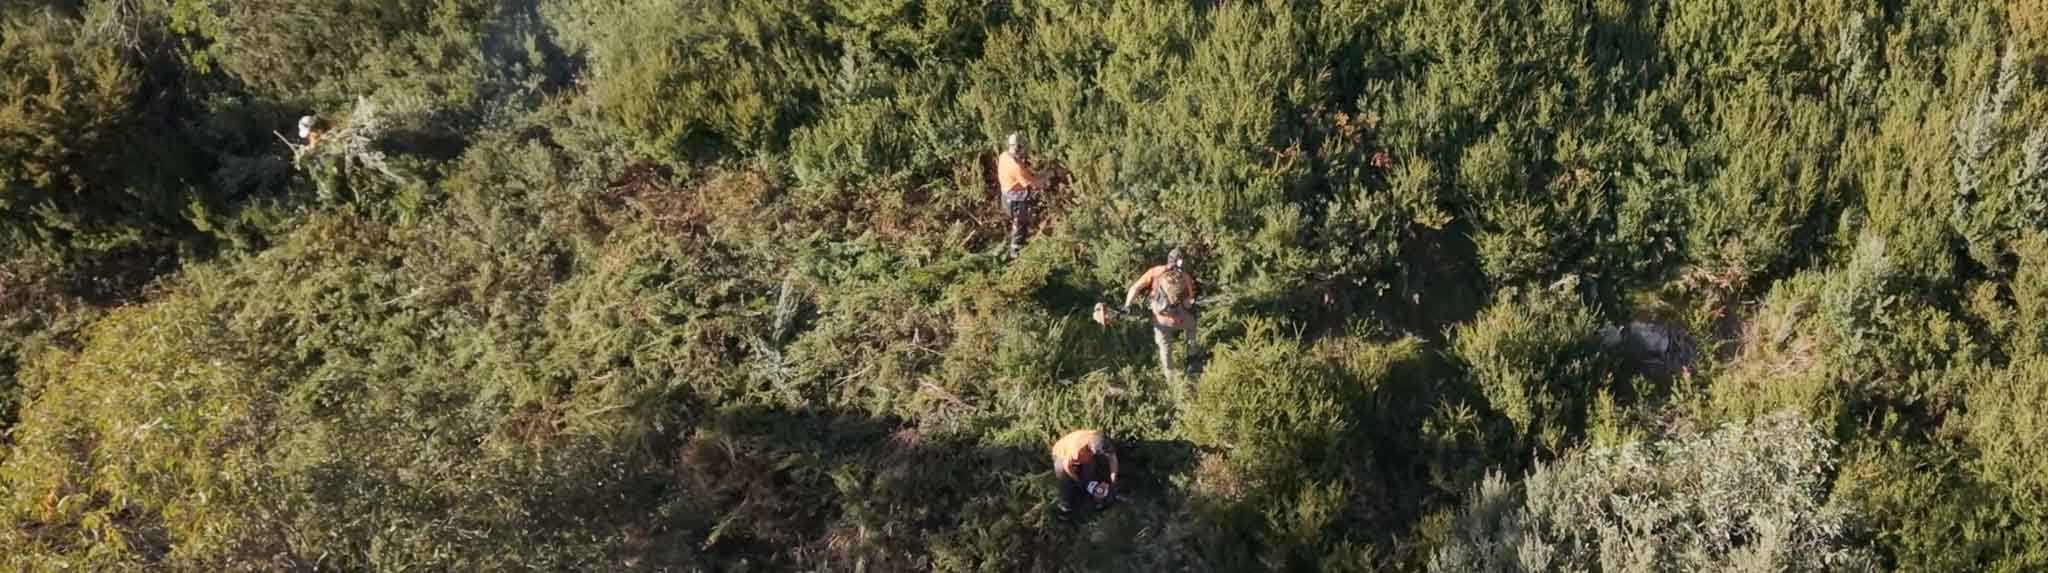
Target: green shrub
x=247 y=397
x=739 y=73
x=1274 y=409
x=2006 y=433
x=1740 y=498
x=327 y=53
x=1535 y=360
x=1851 y=345
x=1766 y=208
x=65 y=108
x=1277 y=420
x=2029 y=297
x=640 y=285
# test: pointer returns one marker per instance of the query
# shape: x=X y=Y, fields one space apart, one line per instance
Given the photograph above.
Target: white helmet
x=1015 y=141
x=306 y=125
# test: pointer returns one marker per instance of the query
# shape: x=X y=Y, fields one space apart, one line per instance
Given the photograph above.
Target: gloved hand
x=1100 y=489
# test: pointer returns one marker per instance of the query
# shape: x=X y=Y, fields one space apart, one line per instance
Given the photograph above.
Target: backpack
x=1170 y=290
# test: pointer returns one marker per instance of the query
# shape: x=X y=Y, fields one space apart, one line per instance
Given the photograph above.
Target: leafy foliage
x=1535 y=360
x=642 y=285
x=1740 y=498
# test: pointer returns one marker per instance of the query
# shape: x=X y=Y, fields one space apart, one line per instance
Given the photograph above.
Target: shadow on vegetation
x=790 y=484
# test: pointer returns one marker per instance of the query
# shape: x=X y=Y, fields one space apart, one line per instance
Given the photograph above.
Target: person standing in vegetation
x=310 y=130
x=1170 y=292
x=1086 y=466
x=1019 y=187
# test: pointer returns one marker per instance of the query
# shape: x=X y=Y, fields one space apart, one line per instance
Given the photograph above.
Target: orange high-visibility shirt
x=1144 y=287
x=1012 y=175
x=1065 y=451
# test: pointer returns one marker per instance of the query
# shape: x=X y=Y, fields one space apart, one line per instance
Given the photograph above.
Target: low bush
x=1740 y=498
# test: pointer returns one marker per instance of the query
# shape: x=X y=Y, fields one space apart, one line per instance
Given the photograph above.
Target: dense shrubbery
x=1735 y=499
x=642 y=285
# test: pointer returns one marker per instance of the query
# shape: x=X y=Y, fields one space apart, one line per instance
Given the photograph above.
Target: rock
x=1657 y=349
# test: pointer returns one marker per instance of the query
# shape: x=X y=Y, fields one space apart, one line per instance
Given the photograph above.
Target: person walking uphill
x=1086 y=466
x=1170 y=293
x=1019 y=187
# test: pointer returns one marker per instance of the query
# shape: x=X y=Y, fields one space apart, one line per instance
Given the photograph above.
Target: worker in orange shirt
x=1019 y=187
x=1086 y=465
x=1170 y=292
x=310 y=130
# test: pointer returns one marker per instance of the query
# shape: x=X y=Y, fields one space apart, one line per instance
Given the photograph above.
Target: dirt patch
x=649 y=190
x=724 y=200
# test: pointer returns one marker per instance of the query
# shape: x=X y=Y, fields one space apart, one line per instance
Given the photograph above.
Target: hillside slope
x=650 y=285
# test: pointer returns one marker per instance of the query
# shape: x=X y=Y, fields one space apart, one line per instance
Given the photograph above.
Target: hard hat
x=306 y=125
x=1016 y=140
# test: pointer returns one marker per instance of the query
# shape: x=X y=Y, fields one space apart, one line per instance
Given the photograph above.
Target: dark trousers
x=1074 y=494
x=1021 y=207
